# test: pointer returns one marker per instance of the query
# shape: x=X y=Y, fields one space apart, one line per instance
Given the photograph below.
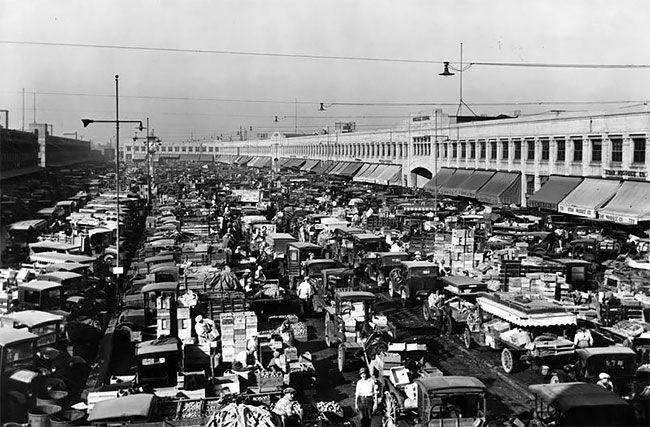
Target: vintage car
x=40 y=295
x=526 y=330
x=617 y=361
x=296 y=254
x=350 y=321
x=415 y=280
x=333 y=279
x=460 y=293
x=579 y=404
x=158 y=362
x=376 y=267
x=48 y=326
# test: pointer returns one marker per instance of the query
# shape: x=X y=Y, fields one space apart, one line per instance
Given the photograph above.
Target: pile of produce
x=263 y=373
x=240 y=415
x=330 y=407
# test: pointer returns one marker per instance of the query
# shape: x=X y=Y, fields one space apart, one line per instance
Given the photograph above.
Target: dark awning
x=630 y=205
x=439 y=179
x=504 y=188
x=589 y=196
x=450 y=188
x=367 y=176
x=309 y=165
x=330 y=167
x=338 y=168
x=351 y=169
x=362 y=172
x=471 y=185
x=553 y=192
x=320 y=167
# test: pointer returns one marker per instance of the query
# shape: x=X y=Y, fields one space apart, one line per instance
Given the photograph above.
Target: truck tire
x=448 y=325
x=509 y=359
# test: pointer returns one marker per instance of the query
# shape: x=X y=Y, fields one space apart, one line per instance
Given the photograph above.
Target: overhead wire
x=328 y=57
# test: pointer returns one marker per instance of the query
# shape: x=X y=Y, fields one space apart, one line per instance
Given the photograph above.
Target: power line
x=342 y=103
x=328 y=57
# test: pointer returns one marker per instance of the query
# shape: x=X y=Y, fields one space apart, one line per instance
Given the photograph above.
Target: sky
x=200 y=95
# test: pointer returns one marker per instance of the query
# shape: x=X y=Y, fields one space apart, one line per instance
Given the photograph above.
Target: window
x=530 y=184
x=183 y=149
x=204 y=149
x=482 y=147
x=530 y=149
x=596 y=149
x=617 y=148
x=454 y=147
x=505 y=147
x=493 y=150
x=517 y=149
x=128 y=148
x=463 y=150
x=472 y=149
x=445 y=150
x=545 y=149
x=176 y=149
x=561 y=149
x=639 y=149
x=211 y=149
x=577 y=149
x=190 y=149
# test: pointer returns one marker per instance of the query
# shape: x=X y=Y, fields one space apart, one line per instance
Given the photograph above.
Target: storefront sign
x=575 y=210
x=625 y=173
x=618 y=218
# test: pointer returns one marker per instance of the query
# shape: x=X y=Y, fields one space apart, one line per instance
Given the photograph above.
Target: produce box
x=268 y=383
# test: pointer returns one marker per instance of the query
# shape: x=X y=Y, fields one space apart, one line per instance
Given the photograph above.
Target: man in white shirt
x=365 y=397
x=305 y=292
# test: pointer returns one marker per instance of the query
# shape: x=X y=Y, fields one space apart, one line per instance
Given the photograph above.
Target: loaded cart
x=526 y=330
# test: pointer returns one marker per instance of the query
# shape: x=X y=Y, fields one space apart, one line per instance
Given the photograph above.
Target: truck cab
x=47 y=326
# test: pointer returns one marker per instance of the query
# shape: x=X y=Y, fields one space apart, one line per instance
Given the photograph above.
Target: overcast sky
x=549 y=31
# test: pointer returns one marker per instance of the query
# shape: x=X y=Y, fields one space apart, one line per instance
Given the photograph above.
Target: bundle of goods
x=268 y=380
x=330 y=407
x=241 y=415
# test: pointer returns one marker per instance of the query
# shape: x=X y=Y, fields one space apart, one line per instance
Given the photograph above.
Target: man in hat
x=288 y=408
x=604 y=380
x=205 y=330
x=365 y=397
x=583 y=338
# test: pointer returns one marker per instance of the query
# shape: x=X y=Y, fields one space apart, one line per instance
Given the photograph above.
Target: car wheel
x=508 y=360
x=425 y=312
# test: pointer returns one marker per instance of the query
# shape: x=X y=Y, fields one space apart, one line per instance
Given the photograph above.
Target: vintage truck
x=529 y=331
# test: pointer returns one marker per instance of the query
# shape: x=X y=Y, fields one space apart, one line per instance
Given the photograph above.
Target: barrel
x=40 y=415
x=68 y=418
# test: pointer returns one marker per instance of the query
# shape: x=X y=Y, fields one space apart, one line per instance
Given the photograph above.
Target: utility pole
x=34 y=107
x=295 y=117
x=23 y=109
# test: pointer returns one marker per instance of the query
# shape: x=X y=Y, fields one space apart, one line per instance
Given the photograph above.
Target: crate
x=268 y=384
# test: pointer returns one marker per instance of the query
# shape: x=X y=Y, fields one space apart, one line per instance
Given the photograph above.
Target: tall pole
x=23 y=109
x=35 y=108
x=295 y=117
x=117 y=178
x=435 y=164
x=148 y=165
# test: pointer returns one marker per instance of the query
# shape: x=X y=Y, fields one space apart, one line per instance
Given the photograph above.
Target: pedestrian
x=288 y=408
x=365 y=397
x=583 y=338
x=205 y=330
x=305 y=292
x=259 y=275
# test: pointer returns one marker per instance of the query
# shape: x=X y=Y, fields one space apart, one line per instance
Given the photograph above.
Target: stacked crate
x=236 y=330
x=163 y=316
x=461 y=250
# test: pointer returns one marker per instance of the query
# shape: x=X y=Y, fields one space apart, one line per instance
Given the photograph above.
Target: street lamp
x=460 y=70
x=117 y=270
x=149 y=141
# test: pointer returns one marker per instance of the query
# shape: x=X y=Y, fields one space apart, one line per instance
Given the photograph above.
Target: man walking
x=365 y=397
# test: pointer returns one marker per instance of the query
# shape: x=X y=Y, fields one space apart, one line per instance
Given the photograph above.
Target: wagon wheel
x=341 y=357
x=389 y=418
x=467 y=338
x=328 y=327
x=508 y=360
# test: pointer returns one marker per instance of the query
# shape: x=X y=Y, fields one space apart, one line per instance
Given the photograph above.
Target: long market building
x=586 y=164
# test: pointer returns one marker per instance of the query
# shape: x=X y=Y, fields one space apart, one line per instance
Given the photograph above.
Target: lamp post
x=117 y=270
x=149 y=140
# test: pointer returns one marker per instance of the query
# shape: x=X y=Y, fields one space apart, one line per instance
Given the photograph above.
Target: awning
x=523 y=319
x=331 y=166
x=396 y=179
x=320 y=168
x=504 y=188
x=338 y=168
x=296 y=163
x=471 y=185
x=364 y=175
x=386 y=174
x=266 y=162
x=361 y=172
x=375 y=175
x=284 y=162
x=553 y=192
x=351 y=169
x=589 y=196
x=630 y=205
x=309 y=165
x=450 y=188
x=439 y=179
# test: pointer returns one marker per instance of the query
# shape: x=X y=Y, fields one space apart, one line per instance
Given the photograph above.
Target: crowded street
x=324 y=214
